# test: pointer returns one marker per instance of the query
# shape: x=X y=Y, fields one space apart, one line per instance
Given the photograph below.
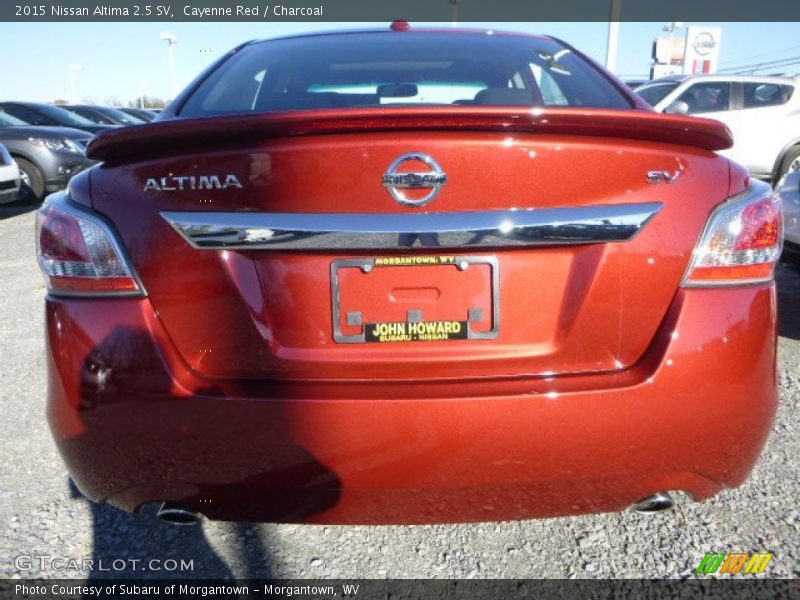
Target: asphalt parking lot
x=43 y=516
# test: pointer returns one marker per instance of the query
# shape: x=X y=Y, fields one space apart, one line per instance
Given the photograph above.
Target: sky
x=120 y=60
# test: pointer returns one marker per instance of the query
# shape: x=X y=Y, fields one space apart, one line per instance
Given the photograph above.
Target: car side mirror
x=677 y=108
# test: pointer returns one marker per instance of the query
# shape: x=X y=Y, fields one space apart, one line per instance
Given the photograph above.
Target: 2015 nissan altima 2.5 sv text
x=409 y=276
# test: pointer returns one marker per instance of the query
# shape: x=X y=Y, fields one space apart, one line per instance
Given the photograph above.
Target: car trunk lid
x=569 y=295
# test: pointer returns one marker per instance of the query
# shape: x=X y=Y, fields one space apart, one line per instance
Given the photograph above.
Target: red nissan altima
x=409 y=276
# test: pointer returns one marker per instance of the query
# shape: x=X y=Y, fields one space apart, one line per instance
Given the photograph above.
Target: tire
x=791 y=254
x=34 y=190
x=791 y=260
x=789 y=162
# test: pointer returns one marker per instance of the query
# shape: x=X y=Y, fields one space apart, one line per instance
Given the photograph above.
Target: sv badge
x=663 y=176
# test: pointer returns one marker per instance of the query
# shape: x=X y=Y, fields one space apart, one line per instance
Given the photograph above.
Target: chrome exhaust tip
x=654 y=504
x=177 y=515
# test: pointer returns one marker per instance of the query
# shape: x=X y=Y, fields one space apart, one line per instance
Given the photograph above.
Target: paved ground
x=41 y=515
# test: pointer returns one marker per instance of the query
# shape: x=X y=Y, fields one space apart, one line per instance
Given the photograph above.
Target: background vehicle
x=789 y=191
x=104 y=115
x=763 y=113
x=9 y=177
x=634 y=83
x=140 y=113
x=47 y=156
x=277 y=265
x=48 y=115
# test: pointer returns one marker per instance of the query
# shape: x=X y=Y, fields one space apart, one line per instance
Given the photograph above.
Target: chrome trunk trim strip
x=395 y=231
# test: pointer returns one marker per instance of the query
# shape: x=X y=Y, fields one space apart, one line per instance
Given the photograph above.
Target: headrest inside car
x=505 y=97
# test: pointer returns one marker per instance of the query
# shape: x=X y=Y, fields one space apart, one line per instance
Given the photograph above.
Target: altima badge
x=396 y=181
x=191 y=182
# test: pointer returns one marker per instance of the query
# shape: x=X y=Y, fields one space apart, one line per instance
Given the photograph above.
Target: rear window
x=405 y=69
x=756 y=95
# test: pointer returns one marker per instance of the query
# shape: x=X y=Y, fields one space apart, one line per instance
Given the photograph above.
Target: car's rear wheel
x=32 y=188
x=790 y=162
x=791 y=255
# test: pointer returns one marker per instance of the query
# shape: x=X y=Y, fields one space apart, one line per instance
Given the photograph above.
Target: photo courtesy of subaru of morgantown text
x=365 y=278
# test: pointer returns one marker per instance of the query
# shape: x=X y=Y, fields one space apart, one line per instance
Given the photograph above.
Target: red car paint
x=223 y=389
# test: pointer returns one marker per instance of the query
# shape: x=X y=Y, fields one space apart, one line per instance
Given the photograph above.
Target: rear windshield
x=401 y=69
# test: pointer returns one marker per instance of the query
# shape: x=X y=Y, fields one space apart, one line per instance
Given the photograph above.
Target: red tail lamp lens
x=79 y=253
x=761 y=227
x=61 y=239
x=742 y=241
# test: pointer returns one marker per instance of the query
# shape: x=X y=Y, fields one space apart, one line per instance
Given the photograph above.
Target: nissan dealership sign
x=702 y=49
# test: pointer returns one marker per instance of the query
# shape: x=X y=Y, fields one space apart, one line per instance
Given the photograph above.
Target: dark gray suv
x=47 y=156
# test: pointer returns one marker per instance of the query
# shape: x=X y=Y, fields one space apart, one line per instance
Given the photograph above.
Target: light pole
x=171 y=40
x=143 y=83
x=613 y=35
x=73 y=83
x=454 y=13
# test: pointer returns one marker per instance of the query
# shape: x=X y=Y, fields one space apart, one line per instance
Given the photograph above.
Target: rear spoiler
x=163 y=138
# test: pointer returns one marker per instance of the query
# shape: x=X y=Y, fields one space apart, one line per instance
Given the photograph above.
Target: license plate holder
x=481 y=322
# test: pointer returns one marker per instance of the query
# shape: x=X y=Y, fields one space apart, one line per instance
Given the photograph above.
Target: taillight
x=742 y=241
x=79 y=254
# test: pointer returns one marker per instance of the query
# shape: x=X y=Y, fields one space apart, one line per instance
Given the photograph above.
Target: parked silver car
x=789 y=190
x=9 y=177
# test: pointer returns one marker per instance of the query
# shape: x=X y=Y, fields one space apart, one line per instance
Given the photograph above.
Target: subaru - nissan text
x=409 y=276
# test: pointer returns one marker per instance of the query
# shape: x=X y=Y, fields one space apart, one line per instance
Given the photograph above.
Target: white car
x=9 y=177
x=763 y=113
x=789 y=191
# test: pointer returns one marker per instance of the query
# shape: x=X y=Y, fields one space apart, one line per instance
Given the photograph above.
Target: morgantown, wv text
x=184 y=590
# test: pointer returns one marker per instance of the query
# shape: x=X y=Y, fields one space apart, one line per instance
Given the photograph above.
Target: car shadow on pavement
x=140 y=546
x=19 y=207
x=788 y=278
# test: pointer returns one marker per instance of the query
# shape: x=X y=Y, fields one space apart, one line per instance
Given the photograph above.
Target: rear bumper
x=134 y=424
